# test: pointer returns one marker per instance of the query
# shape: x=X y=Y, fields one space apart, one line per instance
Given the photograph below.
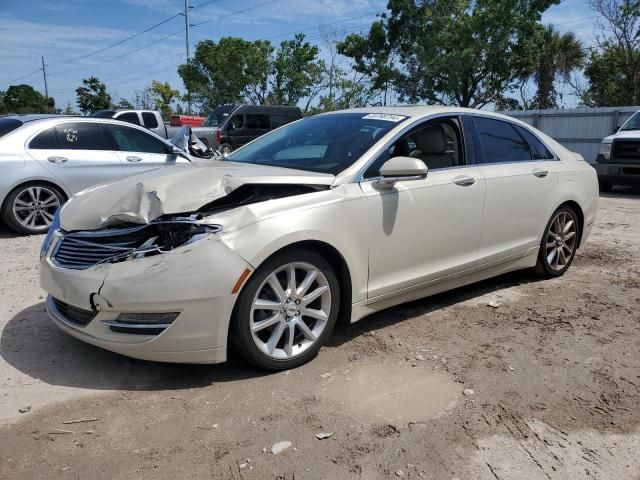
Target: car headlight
x=55 y=225
x=605 y=150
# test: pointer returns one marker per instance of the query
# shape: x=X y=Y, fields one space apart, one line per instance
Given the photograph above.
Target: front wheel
x=286 y=311
x=30 y=208
x=559 y=243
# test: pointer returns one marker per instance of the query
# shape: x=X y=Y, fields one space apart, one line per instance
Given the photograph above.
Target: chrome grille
x=73 y=314
x=81 y=250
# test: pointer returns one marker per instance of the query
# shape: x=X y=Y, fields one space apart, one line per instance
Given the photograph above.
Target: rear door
x=520 y=180
x=256 y=125
x=138 y=149
x=77 y=153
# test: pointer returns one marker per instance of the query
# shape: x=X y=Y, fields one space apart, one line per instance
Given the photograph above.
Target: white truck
x=152 y=120
x=618 y=162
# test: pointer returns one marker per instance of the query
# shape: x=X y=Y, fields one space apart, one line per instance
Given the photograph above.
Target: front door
x=424 y=230
x=139 y=150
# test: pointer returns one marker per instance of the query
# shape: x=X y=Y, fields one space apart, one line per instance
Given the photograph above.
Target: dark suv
x=239 y=124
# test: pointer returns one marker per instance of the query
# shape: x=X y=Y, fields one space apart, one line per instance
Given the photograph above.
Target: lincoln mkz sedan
x=329 y=218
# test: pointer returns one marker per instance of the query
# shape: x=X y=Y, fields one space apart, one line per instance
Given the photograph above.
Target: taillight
x=218 y=135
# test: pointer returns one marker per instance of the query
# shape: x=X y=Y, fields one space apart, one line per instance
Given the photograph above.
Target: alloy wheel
x=290 y=310
x=35 y=207
x=561 y=240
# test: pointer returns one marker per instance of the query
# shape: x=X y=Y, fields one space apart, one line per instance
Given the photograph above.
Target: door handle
x=464 y=181
x=540 y=173
x=58 y=159
x=133 y=158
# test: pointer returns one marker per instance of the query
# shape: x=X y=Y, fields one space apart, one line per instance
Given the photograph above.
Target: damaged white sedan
x=332 y=217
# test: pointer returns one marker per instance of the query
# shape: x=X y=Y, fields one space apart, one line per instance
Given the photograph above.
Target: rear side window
x=80 y=136
x=129 y=139
x=149 y=120
x=8 y=124
x=130 y=117
x=258 y=121
x=45 y=140
x=501 y=142
x=538 y=150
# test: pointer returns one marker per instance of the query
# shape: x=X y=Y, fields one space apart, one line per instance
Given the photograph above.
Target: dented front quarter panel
x=196 y=280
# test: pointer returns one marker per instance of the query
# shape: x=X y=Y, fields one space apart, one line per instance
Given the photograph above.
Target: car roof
x=29 y=117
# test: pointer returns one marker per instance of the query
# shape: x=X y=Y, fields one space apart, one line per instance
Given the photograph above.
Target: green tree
x=92 y=96
x=123 y=104
x=298 y=73
x=372 y=56
x=227 y=71
x=164 y=96
x=461 y=52
x=553 y=55
x=613 y=67
x=24 y=99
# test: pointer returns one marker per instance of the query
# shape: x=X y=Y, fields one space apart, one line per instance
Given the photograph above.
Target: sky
x=73 y=35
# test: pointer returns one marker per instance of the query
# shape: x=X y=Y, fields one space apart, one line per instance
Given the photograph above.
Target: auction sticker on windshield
x=384 y=116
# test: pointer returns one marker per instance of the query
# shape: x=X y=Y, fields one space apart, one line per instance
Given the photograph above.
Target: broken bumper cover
x=194 y=281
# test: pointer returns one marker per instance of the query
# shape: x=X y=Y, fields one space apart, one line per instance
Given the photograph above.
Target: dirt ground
x=545 y=386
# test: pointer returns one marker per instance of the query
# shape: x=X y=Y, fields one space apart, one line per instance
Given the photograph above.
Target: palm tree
x=555 y=55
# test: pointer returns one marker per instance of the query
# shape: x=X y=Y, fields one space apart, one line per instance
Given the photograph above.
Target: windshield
x=324 y=143
x=633 y=123
x=8 y=124
x=217 y=117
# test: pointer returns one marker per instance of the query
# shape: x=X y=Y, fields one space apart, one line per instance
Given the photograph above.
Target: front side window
x=501 y=142
x=129 y=117
x=129 y=139
x=633 y=123
x=80 y=136
x=438 y=143
x=324 y=143
x=45 y=140
x=236 y=122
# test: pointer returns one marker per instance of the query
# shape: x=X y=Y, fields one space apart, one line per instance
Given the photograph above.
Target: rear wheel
x=559 y=243
x=30 y=208
x=286 y=311
x=226 y=149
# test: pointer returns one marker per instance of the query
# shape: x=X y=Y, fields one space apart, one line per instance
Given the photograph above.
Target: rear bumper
x=618 y=173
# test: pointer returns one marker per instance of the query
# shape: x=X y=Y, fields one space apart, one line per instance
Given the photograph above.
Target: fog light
x=147 y=318
x=141 y=323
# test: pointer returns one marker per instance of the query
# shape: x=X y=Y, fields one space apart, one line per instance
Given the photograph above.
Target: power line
x=323 y=25
x=234 y=13
x=24 y=76
x=117 y=57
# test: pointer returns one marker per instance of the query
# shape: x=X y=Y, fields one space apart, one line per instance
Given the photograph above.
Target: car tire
x=559 y=243
x=226 y=148
x=293 y=337
x=29 y=208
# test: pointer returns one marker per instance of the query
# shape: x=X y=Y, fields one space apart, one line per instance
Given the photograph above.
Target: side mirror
x=398 y=169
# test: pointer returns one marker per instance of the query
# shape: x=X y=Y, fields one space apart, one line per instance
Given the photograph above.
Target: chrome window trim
x=359 y=177
x=527 y=127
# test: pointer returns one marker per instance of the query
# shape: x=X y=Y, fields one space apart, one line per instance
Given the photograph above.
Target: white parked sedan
x=332 y=217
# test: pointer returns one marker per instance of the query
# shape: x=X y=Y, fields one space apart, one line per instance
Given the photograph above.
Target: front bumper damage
x=195 y=281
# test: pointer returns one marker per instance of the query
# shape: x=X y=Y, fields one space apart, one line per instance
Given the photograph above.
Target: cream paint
x=431 y=243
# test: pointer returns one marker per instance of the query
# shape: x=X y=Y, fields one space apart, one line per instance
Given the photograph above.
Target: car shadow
x=6 y=232
x=622 y=192
x=32 y=344
x=390 y=316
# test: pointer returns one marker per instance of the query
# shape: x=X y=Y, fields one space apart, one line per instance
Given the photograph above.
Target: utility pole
x=46 y=89
x=186 y=31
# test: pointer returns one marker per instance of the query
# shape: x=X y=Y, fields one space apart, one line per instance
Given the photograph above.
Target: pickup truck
x=152 y=120
x=618 y=162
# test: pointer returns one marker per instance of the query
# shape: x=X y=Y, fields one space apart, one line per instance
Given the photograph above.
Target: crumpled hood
x=185 y=188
